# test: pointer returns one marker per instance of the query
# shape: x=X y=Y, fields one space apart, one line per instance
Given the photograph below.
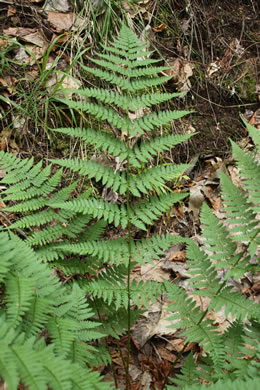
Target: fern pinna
x=67 y=231
x=230 y=250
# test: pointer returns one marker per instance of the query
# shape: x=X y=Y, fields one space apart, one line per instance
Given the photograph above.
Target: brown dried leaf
x=180 y=70
x=64 y=22
x=165 y=354
x=30 y=35
x=11 y=10
x=160 y=28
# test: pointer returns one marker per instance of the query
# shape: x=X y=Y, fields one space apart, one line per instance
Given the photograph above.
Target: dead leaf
x=175 y=253
x=30 y=35
x=55 y=5
x=68 y=83
x=4 y=43
x=165 y=354
x=159 y=28
x=8 y=82
x=153 y=272
x=154 y=323
x=178 y=268
x=180 y=70
x=196 y=199
x=11 y=10
x=4 y=138
x=212 y=68
x=133 y=9
x=146 y=381
x=64 y=22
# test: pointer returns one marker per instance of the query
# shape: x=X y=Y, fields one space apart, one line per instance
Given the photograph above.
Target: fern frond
x=125 y=84
x=44 y=189
x=250 y=171
x=148 y=122
x=104 y=141
x=189 y=374
x=150 y=210
x=238 y=384
x=98 y=208
x=254 y=133
x=112 y=251
x=91 y=169
x=150 y=248
x=128 y=72
x=148 y=149
x=41 y=218
x=8 y=369
x=239 y=212
x=123 y=101
x=188 y=316
x=154 y=179
x=133 y=64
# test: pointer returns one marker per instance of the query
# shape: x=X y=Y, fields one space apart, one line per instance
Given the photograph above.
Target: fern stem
x=129 y=266
x=107 y=345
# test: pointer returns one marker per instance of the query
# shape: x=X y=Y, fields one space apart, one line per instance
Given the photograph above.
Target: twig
x=10 y=223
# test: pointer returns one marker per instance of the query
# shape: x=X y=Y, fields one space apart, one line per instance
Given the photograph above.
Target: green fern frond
x=189 y=374
x=151 y=209
x=133 y=64
x=150 y=248
x=91 y=169
x=238 y=384
x=129 y=72
x=154 y=179
x=104 y=141
x=250 y=171
x=125 y=84
x=254 y=133
x=18 y=169
x=146 y=151
x=123 y=101
x=239 y=212
x=188 y=316
x=41 y=218
x=98 y=208
x=44 y=190
x=113 y=251
x=148 y=122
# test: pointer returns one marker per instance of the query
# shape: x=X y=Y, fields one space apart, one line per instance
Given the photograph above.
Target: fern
x=67 y=232
x=222 y=250
x=34 y=299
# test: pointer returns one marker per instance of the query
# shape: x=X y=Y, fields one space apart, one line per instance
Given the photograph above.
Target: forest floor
x=212 y=50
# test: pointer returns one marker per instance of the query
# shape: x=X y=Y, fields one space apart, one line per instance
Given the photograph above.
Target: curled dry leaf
x=180 y=70
x=159 y=28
